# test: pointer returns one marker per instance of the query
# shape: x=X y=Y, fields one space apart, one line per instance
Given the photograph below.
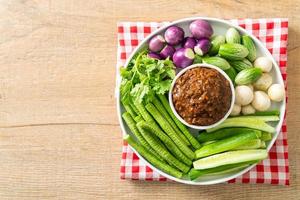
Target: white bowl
x=207 y=66
x=219 y=27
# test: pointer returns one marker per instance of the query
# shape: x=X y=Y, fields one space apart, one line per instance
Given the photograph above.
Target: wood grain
x=59 y=135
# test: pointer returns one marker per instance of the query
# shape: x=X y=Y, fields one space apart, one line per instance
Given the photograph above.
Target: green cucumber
x=248 y=123
x=232 y=36
x=265 y=136
x=152 y=158
x=208 y=142
x=263 y=144
x=231 y=73
x=217 y=61
x=249 y=44
x=230 y=157
x=225 y=144
x=270 y=118
x=240 y=65
x=248 y=76
x=265 y=113
x=233 y=51
x=252 y=144
x=194 y=173
x=216 y=42
x=224 y=133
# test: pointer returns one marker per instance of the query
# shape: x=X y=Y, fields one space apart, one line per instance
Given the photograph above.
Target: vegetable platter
x=152 y=123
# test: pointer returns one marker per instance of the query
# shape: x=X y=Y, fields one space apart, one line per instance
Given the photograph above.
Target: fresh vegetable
x=247 y=76
x=269 y=118
x=240 y=65
x=233 y=36
x=230 y=157
x=183 y=57
x=138 y=118
x=202 y=46
x=154 y=55
x=156 y=43
x=225 y=144
x=189 y=42
x=217 y=61
x=181 y=126
x=240 y=122
x=224 y=133
x=162 y=151
x=261 y=101
x=263 y=144
x=233 y=51
x=216 y=42
x=251 y=87
x=129 y=109
x=167 y=52
x=152 y=158
x=208 y=142
x=166 y=140
x=197 y=59
x=248 y=109
x=169 y=131
x=165 y=114
x=249 y=44
x=266 y=113
x=231 y=73
x=194 y=173
x=243 y=95
x=201 y=29
x=252 y=144
x=264 y=82
x=145 y=76
x=264 y=63
x=236 y=109
x=265 y=136
x=276 y=92
x=174 y=35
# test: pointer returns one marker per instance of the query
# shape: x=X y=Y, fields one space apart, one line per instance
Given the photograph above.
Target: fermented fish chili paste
x=202 y=96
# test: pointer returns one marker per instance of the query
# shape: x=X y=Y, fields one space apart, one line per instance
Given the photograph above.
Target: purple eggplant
x=167 y=51
x=174 y=35
x=183 y=57
x=156 y=43
x=189 y=42
x=154 y=55
x=202 y=46
x=201 y=29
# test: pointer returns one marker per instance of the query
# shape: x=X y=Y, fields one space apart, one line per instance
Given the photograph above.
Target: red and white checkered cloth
x=273 y=34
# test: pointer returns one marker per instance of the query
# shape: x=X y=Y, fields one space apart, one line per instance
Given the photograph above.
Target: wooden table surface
x=60 y=137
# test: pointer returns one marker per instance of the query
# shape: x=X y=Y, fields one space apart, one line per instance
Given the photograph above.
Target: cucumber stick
x=271 y=118
x=224 y=133
x=249 y=123
x=194 y=173
x=152 y=158
x=166 y=140
x=162 y=151
x=170 y=131
x=266 y=136
x=225 y=144
x=265 y=113
x=230 y=157
x=164 y=113
x=181 y=126
x=252 y=144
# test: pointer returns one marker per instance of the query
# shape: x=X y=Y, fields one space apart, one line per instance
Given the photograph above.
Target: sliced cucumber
x=272 y=118
x=252 y=144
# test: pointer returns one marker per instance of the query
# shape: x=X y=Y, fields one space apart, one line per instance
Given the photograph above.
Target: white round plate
x=219 y=27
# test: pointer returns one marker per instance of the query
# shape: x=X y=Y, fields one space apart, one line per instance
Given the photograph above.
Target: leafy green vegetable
x=144 y=77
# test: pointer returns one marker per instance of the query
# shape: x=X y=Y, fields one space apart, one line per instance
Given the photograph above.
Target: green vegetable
x=266 y=113
x=162 y=151
x=270 y=118
x=216 y=42
x=143 y=112
x=208 y=142
x=230 y=157
x=166 y=140
x=131 y=125
x=231 y=73
x=240 y=122
x=233 y=51
x=194 y=173
x=165 y=114
x=138 y=118
x=129 y=109
x=197 y=59
x=240 y=65
x=266 y=136
x=248 y=76
x=217 y=61
x=170 y=131
x=224 y=133
x=233 y=36
x=249 y=44
x=181 y=126
x=152 y=158
x=262 y=144
x=134 y=108
x=252 y=144
x=225 y=144
x=144 y=77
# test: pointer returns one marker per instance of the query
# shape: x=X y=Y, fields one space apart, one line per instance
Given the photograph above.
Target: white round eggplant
x=261 y=101
x=264 y=82
x=236 y=110
x=263 y=63
x=276 y=92
x=248 y=109
x=243 y=95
